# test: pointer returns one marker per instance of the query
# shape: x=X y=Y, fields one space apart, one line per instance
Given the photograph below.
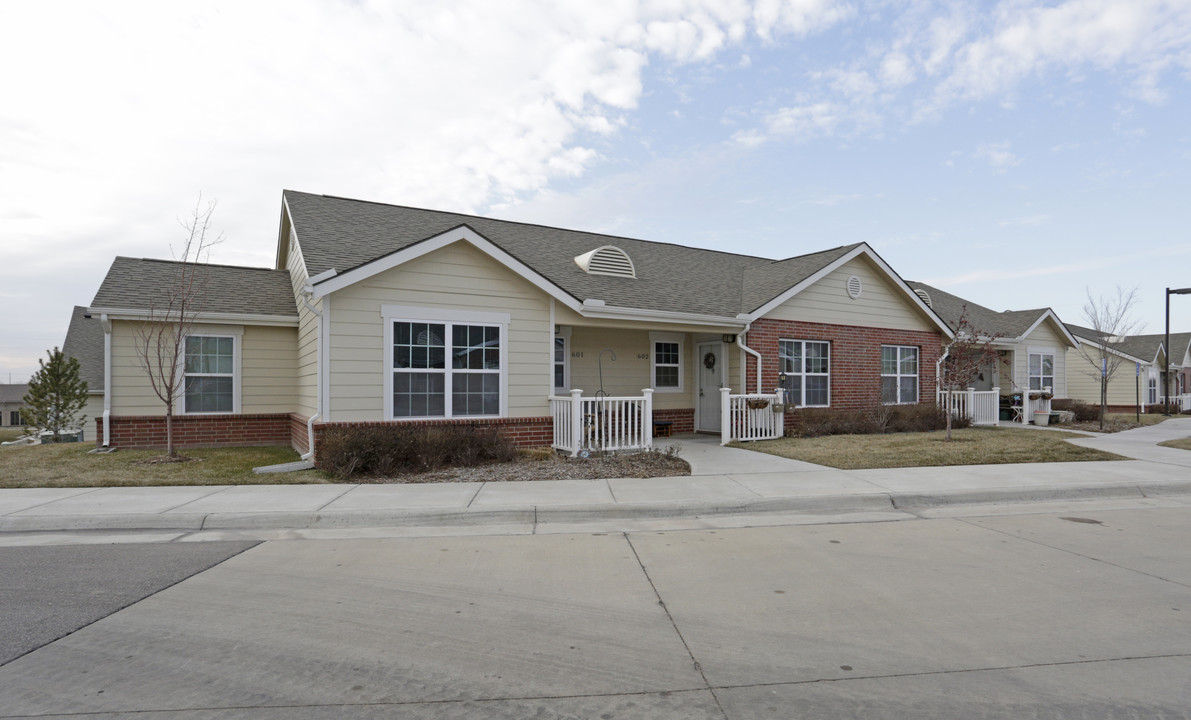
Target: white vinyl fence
x=983 y=407
x=750 y=417
x=602 y=423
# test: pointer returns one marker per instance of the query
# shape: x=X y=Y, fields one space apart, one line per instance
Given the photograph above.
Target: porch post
x=576 y=421
x=725 y=416
x=647 y=418
x=972 y=404
x=997 y=406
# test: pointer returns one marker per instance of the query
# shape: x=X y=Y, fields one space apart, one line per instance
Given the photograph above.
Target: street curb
x=545 y=514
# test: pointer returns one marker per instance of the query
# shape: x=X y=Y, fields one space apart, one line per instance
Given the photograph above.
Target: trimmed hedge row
x=388 y=450
x=875 y=420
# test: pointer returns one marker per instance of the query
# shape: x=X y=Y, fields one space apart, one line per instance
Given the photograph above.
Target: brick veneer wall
x=524 y=432
x=683 y=419
x=855 y=364
x=148 y=431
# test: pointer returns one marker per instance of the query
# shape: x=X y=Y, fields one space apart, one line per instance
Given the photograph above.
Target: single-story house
x=377 y=313
x=84 y=342
x=12 y=400
x=1139 y=379
x=1033 y=346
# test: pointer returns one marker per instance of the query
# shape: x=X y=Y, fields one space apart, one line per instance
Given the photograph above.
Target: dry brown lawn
x=972 y=446
x=70 y=465
x=1181 y=443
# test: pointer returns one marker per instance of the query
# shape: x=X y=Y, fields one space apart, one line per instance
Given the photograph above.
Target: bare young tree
x=160 y=341
x=969 y=354
x=1111 y=318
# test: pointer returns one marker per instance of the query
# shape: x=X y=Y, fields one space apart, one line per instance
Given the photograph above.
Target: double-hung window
x=446 y=364
x=1042 y=370
x=209 y=374
x=899 y=374
x=806 y=365
x=666 y=361
x=561 y=363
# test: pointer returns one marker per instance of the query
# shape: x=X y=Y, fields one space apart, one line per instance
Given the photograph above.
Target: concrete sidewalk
x=724 y=481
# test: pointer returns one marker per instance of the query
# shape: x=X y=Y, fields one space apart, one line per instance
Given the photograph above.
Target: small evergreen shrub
x=388 y=450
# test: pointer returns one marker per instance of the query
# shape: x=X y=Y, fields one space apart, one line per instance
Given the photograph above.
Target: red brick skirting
x=683 y=419
x=148 y=431
x=855 y=358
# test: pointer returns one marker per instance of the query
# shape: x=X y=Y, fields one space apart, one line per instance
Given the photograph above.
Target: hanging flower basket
x=1041 y=395
x=757 y=403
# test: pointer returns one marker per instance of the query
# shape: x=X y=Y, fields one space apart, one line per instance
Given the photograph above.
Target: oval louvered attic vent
x=925 y=297
x=607 y=260
x=854 y=287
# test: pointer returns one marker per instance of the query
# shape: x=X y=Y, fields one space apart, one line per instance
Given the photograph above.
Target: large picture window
x=806 y=365
x=1042 y=371
x=209 y=374
x=448 y=368
x=899 y=374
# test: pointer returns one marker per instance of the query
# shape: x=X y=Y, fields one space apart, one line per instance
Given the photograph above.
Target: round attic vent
x=607 y=260
x=854 y=287
x=925 y=297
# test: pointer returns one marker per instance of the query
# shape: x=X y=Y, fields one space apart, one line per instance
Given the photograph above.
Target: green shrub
x=388 y=450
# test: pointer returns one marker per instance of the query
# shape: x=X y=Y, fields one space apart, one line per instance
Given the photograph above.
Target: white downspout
x=307 y=292
x=107 y=379
x=939 y=372
x=740 y=344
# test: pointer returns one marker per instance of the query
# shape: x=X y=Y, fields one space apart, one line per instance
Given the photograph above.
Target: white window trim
x=802 y=372
x=405 y=313
x=1054 y=366
x=563 y=333
x=899 y=374
x=654 y=339
x=236 y=333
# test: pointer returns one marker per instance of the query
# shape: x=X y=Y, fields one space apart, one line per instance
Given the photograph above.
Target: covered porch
x=617 y=387
x=1015 y=389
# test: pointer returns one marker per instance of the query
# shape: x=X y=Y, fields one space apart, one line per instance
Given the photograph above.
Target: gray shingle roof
x=84 y=342
x=13 y=393
x=344 y=234
x=1009 y=324
x=142 y=284
x=1143 y=347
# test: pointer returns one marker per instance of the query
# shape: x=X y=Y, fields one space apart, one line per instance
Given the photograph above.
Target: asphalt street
x=1083 y=611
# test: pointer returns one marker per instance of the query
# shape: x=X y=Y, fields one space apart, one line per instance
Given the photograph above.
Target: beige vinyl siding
x=456 y=277
x=881 y=303
x=1083 y=379
x=267 y=367
x=93 y=411
x=1044 y=338
x=306 y=367
x=268 y=361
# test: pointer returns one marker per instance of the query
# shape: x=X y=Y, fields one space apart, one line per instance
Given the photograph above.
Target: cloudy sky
x=1016 y=153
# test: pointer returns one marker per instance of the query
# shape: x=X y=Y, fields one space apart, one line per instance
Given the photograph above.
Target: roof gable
x=1012 y=325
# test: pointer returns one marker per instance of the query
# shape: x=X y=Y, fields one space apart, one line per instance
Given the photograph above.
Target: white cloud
x=1028 y=221
x=997 y=155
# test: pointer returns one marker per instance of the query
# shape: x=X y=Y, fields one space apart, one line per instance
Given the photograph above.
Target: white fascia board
x=437 y=242
x=1113 y=351
x=669 y=316
x=202 y=317
x=1071 y=340
x=867 y=251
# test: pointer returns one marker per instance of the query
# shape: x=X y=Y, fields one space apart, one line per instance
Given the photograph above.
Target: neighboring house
x=1033 y=346
x=1180 y=368
x=1139 y=380
x=12 y=400
x=379 y=313
x=84 y=342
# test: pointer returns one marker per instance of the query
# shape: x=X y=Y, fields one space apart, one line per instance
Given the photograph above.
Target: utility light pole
x=1166 y=346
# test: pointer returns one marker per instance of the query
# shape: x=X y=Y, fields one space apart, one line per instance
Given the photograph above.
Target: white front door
x=710 y=367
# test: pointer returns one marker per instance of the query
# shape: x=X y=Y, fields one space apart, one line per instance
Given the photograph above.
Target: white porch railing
x=1037 y=405
x=750 y=417
x=983 y=407
x=602 y=423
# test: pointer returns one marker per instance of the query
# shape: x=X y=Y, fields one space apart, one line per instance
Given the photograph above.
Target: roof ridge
x=183 y=262
x=537 y=225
